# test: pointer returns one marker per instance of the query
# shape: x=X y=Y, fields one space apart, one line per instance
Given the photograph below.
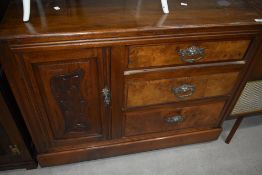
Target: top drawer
x=186 y=53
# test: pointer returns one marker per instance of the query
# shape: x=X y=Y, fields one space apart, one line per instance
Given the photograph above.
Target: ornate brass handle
x=174 y=119
x=191 y=54
x=186 y=90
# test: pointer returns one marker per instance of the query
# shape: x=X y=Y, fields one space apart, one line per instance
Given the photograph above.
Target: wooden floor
x=241 y=157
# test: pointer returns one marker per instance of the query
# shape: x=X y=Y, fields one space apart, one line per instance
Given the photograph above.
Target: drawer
x=203 y=116
x=186 y=53
x=178 y=85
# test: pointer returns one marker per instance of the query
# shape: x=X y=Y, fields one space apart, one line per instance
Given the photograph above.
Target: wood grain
x=168 y=54
x=159 y=91
x=127 y=146
x=69 y=116
x=155 y=120
x=87 y=18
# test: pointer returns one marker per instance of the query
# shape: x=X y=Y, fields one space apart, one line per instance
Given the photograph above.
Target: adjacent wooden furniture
x=250 y=101
x=15 y=148
x=101 y=78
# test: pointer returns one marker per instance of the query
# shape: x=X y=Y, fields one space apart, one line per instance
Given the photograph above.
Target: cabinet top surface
x=87 y=17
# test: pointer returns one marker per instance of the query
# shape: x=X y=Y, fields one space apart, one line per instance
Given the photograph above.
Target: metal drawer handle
x=191 y=54
x=184 y=91
x=174 y=119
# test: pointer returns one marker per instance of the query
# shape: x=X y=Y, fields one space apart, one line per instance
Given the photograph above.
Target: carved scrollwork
x=66 y=89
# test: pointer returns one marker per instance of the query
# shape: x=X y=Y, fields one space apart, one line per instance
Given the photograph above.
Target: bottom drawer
x=169 y=118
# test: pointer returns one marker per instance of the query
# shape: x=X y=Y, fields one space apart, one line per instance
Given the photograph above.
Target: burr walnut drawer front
x=186 y=53
x=204 y=116
x=178 y=85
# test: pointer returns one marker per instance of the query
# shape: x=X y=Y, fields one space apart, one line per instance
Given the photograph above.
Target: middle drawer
x=160 y=87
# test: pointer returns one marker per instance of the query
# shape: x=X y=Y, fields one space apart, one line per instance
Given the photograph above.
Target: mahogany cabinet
x=104 y=78
x=16 y=150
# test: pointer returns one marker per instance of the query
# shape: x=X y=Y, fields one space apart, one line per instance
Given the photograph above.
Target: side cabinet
x=69 y=92
x=15 y=150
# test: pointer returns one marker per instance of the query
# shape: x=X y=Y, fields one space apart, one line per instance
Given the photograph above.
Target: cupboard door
x=67 y=91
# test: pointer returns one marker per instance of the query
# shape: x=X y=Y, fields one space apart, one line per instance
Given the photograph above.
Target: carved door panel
x=67 y=93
